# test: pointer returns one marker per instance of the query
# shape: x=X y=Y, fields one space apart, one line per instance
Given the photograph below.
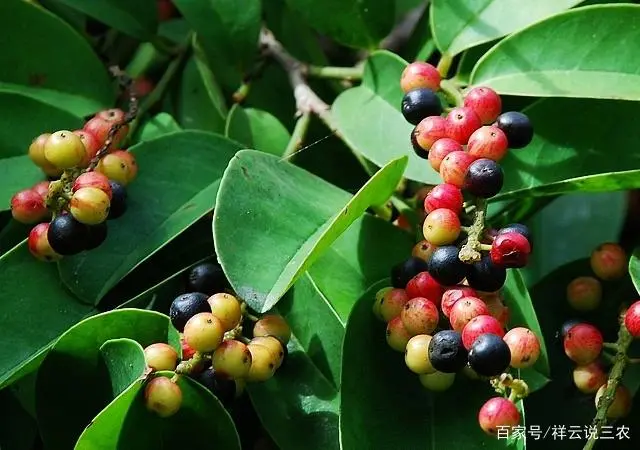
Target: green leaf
x=16 y=173
x=461 y=24
x=311 y=214
x=159 y=125
x=468 y=61
x=177 y=183
x=356 y=23
x=634 y=269
x=124 y=361
x=44 y=102
x=554 y=59
x=59 y=58
x=375 y=107
x=86 y=389
x=257 y=129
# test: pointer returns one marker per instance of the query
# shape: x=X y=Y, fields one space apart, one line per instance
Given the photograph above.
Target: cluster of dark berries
x=87 y=187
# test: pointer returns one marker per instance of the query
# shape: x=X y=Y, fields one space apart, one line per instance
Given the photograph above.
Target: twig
x=470 y=252
x=298 y=135
x=340 y=73
x=403 y=31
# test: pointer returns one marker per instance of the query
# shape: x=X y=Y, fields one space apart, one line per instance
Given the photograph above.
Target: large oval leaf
x=177 y=183
x=554 y=58
x=257 y=129
x=16 y=173
x=125 y=362
x=290 y=217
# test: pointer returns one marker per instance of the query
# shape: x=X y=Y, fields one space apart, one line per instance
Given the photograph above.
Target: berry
x=454 y=167
x=583 y=343
x=445 y=196
x=621 y=401
x=584 y=293
x=429 y=130
x=510 y=250
x=102 y=122
x=484 y=178
x=28 y=207
x=227 y=310
x=118 y=200
x=445 y=266
x=488 y=142
x=161 y=356
x=497 y=414
x=419 y=316
x=485 y=102
x=36 y=150
x=39 y=246
x=91 y=146
x=67 y=236
x=486 y=276
x=466 y=309
x=93 y=180
x=273 y=325
x=64 y=149
x=263 y=363
x=185 y=306
x=89 y=205
x=566 y=326
x=518 y=228
x=219 y=384
x=206 y=277
x=377 y=302
x=589 y=378
x=524 y=346
x=130 y=160
x=42 y=188
x=423 y=250
x=115 y=168
x=517 y=127
x=203 y=332
x=416 y=355
x=232 y=358
x=187 y=351
x=632 y=319
x=441 y=227
x=275 y=346
x=402 y=272
x=397 y=335
x=437 y=381
x=446 y=352
x=163 y=397
x=497 y=309
x=420 y=103
x=423 y=285
x=489 y=355
x=419 y=75
x=461 y=123
x=419 y=151
x=478 y=326
x=392 y=303
x=609 y=261
x=440 y=149
x=452 y=295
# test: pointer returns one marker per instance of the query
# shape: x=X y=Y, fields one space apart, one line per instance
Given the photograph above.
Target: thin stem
x=298 y=136
x=633 y=360
x=611 y=345
x=341 y=73
x=242 y=92
x=452 y=92
x=470 y=252
x=484 y=247
x=444 y=64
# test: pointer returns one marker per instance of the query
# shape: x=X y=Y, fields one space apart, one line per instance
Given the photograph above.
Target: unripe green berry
x=161 y=356
x=64 y=149
x=232 y=358
x=437 y=381
x=163 y=397
x=204 y=332
x=227 y=309
x=397 y=335
x=89 y=205
x=273 y=325
x=263 y=364
x=416 y=354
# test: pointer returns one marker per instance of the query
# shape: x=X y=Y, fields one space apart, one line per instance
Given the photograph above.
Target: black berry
x=206 y=277
x=118 y=200
x=401 y=273
x=419 y=104
x=422 y=153
x=486 y=276
x=224 y=388
x=489 y=355
x=67 y=236
x=445 y=266
x=517 y=127
x=518 y=228
x=97 y=235
x=484 y=178
x=185 y=306
x=446 y=352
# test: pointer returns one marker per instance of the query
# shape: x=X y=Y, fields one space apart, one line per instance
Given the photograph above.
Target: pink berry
x=424 y=285
x=429 y=130
x=632 y=319
x=397 y=334
x=510 y=250
x=440 y=149
x=461 y=123
x=464 y=310
x=583 y=343
x=419 y=316
x=28 y=207
x=441 y=227
x=392 y=303
x=38 y=244
x=485 y=102
x=488 y=142
x=454 y=167
x=419 y=75
x=498 y=414
x=609 y=261
x=524 y=346
x=91 y=145
x=478 y=326
x=452 y=295
x=444 y=196
x=95 y=180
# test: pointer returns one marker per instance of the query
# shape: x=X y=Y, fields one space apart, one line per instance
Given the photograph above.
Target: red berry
x=42 y=188
x=423 y=250
x=397 y=334
x=28 y=207
x=510 y=250
x=419 y=316
x=423 y=285
x=464 y=310
x=441 y=227
x=632 y=319
x=454 y=167
x=584 y=293
x=187 y=350
x=452 y=295
x=589 y=378
x=485 y=102
x=102 y=122
x=583 y=343
x=478 y=326
x=498 y=414
x=429 y=130
x=445 y=196
x=95 y=180
x=166 y=10
x=622 y=400
x=143 y=86
x=91 y=145
x=488 y=142
x=524 y=346
x=609 y=261
x=461 y=123
x=38 y=244
x=440 y=149
x=419 y=75
x=392 y=303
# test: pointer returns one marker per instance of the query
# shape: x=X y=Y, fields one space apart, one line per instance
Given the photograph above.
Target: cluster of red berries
x=87 y=187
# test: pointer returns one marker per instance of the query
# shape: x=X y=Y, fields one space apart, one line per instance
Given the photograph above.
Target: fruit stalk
x=452 y=92
x=191 y=365
x=469 y=253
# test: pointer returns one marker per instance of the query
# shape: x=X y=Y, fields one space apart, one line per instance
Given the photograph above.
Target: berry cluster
x=88 y=175
x=214 y=351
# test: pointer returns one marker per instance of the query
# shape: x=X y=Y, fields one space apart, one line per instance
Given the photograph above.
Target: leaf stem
x=298 y=136
x=444 y=64
x=452 y=92
x=470 y=252
x=341 y=73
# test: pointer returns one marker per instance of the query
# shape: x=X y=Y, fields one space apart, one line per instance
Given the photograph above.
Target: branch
x=402 y=32
x=470 y=252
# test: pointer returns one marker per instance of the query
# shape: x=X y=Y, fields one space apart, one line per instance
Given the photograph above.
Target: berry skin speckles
x=524 y=346
x=429 y=130
x=440 y=149
x=461 y=123
x=485 y=102
x=583 y=343
x=498 y=413
x=488 y=142
x=454 y=167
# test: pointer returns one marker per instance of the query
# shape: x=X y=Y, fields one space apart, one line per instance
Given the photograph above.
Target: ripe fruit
x=116 y=168
x=498 y=414
x=185 y=306
x=452 y=295
x=203 y=332
x=478 y=326
x=38 y=244
x=42 y=188
x=461 y=123
x=419 y=75
x=89 y=205
x=420 y=103
x=489 y=355
x=441 y=227
x=621 y=401
x=263 y=364
x=93 y=180
x=163 y=397
x=524 y=346
x=416 y=355
x=423 y=250
x=36 y=150
x=517 y=127
x=485 y=102
x=274 y=345
x=423 y=285
x=161 y=356
x=466 y=309
x=454 y=167
x=118 y=200
x=206 y=277
x=488 y=142
x=589 y=378
x=440 y=149
x=273 y=325
x=402 y=272
x=392 y=303
x=220 y=385
x=429 y=130
x=632 y=319
x=437 y=381
x=445 y=266
x=397 y=335
x=227 y=309
x=91 y=146
x=102 y=122
x=518 y=228
x=64 y=149
x=377 y=301
x=28 y=207
x=497 y=309
x=419 y=316
x=445 y=196
x=232 y=358
x=446 y=352
x=510 y=250
x=187 y=351
x=609 y=261
x=130 y=160
x=67 y=236
x=583 y=343
x=486 y=276
x=584 y=293
x=483 y=178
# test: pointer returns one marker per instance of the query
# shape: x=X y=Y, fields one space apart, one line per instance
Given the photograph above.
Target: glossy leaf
x=16 y=173
x=311 y=214
x=634 y=269
x=461 y=24
x=44 y=102
x=554 y=59
x=257 y=129
x=125 y=362
x=158 y=125
x=173 y=189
